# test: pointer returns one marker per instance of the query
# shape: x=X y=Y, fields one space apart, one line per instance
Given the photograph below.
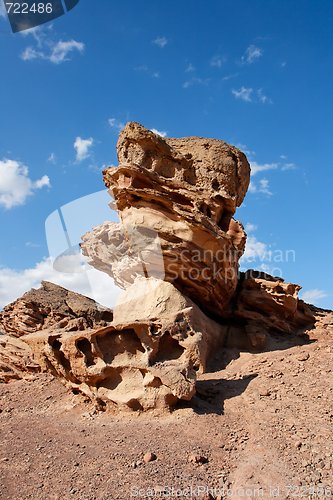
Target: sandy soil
x=261 y=426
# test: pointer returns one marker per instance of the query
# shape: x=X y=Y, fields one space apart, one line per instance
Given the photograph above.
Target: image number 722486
x=28 y=14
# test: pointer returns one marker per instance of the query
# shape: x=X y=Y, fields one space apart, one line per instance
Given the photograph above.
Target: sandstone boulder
x=16 y=360
x=175 y=253
x=147 y=358
x=176 y=199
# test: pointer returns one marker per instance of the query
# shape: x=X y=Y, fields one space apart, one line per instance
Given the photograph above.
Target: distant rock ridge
x=52 y=306
x=175 y=254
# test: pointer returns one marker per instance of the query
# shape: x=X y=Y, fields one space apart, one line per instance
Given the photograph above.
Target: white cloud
x=38 y=33
x=82 y=147
x=29 y=54
x=261 y=187
x=61 y=50
x=244 y=93
x=189 y=68
x=160 y=41
x=162 y=133
x=94 y=284
x=217 y=61
x=145 y=69
x=252 y=54
x=264 y=99
x=114 y=123
x=31 y=244
x=229 y=77
x=288 y=166
x=313 y=295
x=52 y=158
x=256 y=168
x=254 y=250
x=195 y=81
x=57 y=53
x=42 y=182
x=248 y=94
x=249 y=227
x=16 y=185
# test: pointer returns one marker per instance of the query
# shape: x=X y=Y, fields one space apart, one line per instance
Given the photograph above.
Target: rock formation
x=264 y=304
x=52 y=306
x=182 y=192
x=148 y=361
x=175 y=254
x=16 y=360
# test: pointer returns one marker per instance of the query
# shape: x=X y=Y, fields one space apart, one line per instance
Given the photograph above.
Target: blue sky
x=257 y=74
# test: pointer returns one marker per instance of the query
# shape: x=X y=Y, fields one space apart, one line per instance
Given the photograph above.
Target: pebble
x=303 y=356
x=197 y=459
x=149 y=457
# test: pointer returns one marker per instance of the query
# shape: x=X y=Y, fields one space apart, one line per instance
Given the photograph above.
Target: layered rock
x=16 y=360
x=175 y=254
x=265 y=304
x=271 y=302
x=52 y=306
x=176 y=199
x=147 y=358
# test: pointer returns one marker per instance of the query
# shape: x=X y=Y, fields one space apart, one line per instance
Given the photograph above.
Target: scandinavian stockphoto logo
x=126 y=251
x=24 y=15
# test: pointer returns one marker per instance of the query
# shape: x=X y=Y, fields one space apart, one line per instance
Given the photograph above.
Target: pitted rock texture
x=265 y=304
x=175 y=254
x=52 y=306
x=272 y=302
x=140 y=365
x=180 y=194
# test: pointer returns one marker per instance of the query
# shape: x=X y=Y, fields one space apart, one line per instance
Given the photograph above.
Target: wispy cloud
x=116 y=124
x=52 y=158
x=262 y=187
x=249 y=227
x=244 y=94
x=217 y=61
x=56 y=53
x=16 y=185
x=314 y=295
x=160 y=41
x=254 y=250
x=39 y=33
x=263 y=167
x=189 y=68
x=145 y=69
x=248 y=94
x=264 y=99
x=82 y=148
x=162 y=133
x=243 y=147
x=252 y=54
x=229 y=77
x=195 y=81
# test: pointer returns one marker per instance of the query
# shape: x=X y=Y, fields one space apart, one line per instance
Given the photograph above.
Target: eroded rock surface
x=16 y=360
x=52 y=306
x=265 y=304
x=176 y=199
x=175 y=254
x=140 y=361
